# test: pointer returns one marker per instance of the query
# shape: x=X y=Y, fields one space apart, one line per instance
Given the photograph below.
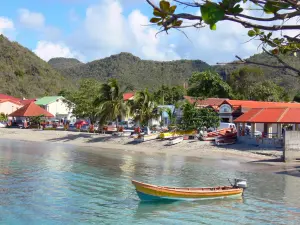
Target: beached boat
x=147 y=137
x=211 y=136
x=149 y=192
x=225 y=141
x=175 y=140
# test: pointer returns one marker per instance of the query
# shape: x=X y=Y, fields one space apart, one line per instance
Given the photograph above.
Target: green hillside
x=23 y=74
x=64 y=63
x=132 y=70
x=287 y=79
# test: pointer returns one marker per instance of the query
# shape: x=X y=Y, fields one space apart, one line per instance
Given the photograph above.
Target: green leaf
x=269 y=35
x=251 y=33
x=164 y=5
x=155 y=20
x=172 y=9
x=178 y=23
x=257 y=31
x=212 y=13
x=158 y=13
x=213 y=26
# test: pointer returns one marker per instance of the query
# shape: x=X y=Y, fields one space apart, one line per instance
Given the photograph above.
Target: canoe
x=225 y=141
x=224 y=133
x=144 y=138
x=165 y=135
x=175 y=140
x=149 y=192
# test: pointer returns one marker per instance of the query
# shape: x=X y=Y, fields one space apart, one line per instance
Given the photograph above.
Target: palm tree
x=111 y=102
x=144 y=108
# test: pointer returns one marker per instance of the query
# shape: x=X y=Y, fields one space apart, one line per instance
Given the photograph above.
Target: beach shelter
x=29 y=110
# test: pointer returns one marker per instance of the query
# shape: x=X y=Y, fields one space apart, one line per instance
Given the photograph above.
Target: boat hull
x=175 y=140
x=156 y=193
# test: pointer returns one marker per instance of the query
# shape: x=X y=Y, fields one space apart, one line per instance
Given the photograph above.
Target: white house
x=57 y=106
x=7 y=106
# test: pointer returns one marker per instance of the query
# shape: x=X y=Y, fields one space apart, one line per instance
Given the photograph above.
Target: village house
x=57 y=106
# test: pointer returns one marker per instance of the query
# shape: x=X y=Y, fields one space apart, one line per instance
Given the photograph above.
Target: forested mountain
x=139 y=73
x=64 y=63
x=133 y=71
x=23 y=74
x=287 y=79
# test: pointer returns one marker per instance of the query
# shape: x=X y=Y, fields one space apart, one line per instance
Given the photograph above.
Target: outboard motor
x=240 y=183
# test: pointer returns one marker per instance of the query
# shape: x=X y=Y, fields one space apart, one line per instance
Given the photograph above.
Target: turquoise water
x=55 y=184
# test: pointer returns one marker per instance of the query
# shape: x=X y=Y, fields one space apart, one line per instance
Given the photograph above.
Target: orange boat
x=149 y=192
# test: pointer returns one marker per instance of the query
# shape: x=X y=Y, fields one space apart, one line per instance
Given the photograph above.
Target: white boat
x=175 y=140
x=142 y=138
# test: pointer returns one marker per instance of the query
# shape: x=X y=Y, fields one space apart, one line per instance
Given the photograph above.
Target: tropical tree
x=208 y=84
x=110 y=102
x=167 y=95
x=198 y=118
x=81 y=101
x=262 y=19
x=269 y=91
x=144 y=107
x=242 y=81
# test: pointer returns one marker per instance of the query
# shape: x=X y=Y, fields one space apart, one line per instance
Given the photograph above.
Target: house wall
x=59 y=109
x=8 y=107
x=291 y=146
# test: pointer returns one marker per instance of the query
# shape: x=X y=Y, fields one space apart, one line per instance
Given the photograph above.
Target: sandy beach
x=194 y=148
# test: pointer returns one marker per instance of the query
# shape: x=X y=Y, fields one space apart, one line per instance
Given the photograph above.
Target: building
x=57 y=106
x=7 y=106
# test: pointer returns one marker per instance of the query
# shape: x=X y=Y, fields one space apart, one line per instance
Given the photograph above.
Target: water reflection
x=55 y=184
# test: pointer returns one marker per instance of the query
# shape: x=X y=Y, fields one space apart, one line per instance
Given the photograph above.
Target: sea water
x=45 y=183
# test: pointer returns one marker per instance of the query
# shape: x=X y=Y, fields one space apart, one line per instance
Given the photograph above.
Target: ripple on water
x=53 y=184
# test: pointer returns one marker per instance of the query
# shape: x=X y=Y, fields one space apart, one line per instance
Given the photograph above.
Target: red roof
x=205 y=102
x=10 y=100
x=3 y=96
x=127 y=96
x=29 y=110
x=270 y=115
x=27 y=101
x=257 y=104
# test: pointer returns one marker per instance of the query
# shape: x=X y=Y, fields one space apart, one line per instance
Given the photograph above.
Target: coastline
x=260 y=159
x=193 y=148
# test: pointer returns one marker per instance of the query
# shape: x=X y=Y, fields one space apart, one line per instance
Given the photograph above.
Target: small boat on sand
x=149 y=192
x=175 y=140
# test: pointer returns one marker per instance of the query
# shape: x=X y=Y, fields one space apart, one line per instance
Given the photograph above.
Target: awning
x=30 y=110
x=270 y=115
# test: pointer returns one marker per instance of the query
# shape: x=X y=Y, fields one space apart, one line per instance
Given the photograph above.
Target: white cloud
x=47 y=50
x=106 y=30
x=6 y=24
x=7 y=28
x=30 y=19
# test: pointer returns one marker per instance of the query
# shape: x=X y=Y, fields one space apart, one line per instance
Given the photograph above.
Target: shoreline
x=194 y=148
x=260 y=159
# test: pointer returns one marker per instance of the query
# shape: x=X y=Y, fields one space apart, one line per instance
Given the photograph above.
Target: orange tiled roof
x=29 y=110
x=3 y=96
x=10 y=100
x=205 y=102
x=27 y=101
x=127 y=96
x=270 y=115
x=257 y=104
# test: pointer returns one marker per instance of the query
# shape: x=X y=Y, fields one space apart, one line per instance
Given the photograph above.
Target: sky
x=92 y=29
